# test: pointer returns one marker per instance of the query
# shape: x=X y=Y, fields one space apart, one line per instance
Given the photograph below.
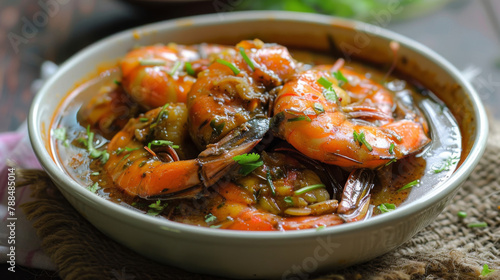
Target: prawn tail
x=217 y=160
x=356 y=195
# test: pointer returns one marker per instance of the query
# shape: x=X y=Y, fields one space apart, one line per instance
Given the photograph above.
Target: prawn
x=323 y=120
x=143 y=160
x=155 y=75
x=300 y=200
x=235 y=88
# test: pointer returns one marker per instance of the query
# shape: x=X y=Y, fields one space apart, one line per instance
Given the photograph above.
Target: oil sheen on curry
x=253 y=137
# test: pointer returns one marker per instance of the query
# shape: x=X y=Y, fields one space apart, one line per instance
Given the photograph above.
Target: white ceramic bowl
x=267 y=254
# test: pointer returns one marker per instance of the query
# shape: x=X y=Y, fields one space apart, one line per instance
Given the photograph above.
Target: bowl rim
x=156 y=224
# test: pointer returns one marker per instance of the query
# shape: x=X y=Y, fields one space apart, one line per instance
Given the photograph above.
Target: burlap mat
x=446 y=249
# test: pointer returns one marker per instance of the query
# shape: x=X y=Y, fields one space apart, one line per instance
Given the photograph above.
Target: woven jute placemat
x=446 y=249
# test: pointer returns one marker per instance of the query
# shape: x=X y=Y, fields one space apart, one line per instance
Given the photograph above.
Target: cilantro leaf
x=156 y=208
x=486 y=270
x=248 y=162
x=340 y=77
x=386 y=207
x=94 y=187
x=59 y=133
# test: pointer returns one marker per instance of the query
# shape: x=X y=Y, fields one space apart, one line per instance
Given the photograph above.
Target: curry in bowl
x=254 y=136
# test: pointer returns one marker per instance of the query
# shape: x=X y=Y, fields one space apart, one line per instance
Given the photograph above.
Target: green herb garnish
x=318 y=108
x=94 y=173
x=156 y=208
x=391 y=161
x=486 y=270
x=121 y=150
x=59 y=133
x=189 y=69
x=360 y=137
x=235 y=70
x=320 y=227
x=300 y=118
x=93 y=188
x=162 y=143
x=143 y=119
x=462 y=214
x=288 y=200
x=247 y=59
x=409 y=185
x=340 y=77
x=217 y=128
x=386 y=207
x=325 y=82
x=118 y=83
x=270 y=182
x=248 y=162
x=175 y=68
x=477 y=225
x=391 y=149
x=308 y=188
x=210 y=218
x=329 y=92
x=446 y=164
x=160 y=115
x=93 y=153
x=152 y=62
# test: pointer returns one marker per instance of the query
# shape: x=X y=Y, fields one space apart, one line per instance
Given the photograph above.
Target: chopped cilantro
x=189 y=69
x=288 y=200
x=446 y=164
x=478 y=225
x=318 y=108
x=409 y=185
x=59 y=133
x=391 y=161
x=486 y=270
x=235 y=70
x=270 y=182
x=247 y=59
x=162 y=112
x=175 y=68
x=248 y=162
x=156 y=208
x=391 y=149
x=320 y=227
x=308 y=188
x=89 y=143
x=340 y=78
x=300 y=118
x=94 y=187
x=325 y=82
x=386 y=207
x=210 y=218
x=360 y=137
x=162 y=143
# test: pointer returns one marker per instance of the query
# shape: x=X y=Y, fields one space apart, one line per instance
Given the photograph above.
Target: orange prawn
x=320 y=118
x=158 y=74
x=235 y=88
x=299 y=201
x=143 y=160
